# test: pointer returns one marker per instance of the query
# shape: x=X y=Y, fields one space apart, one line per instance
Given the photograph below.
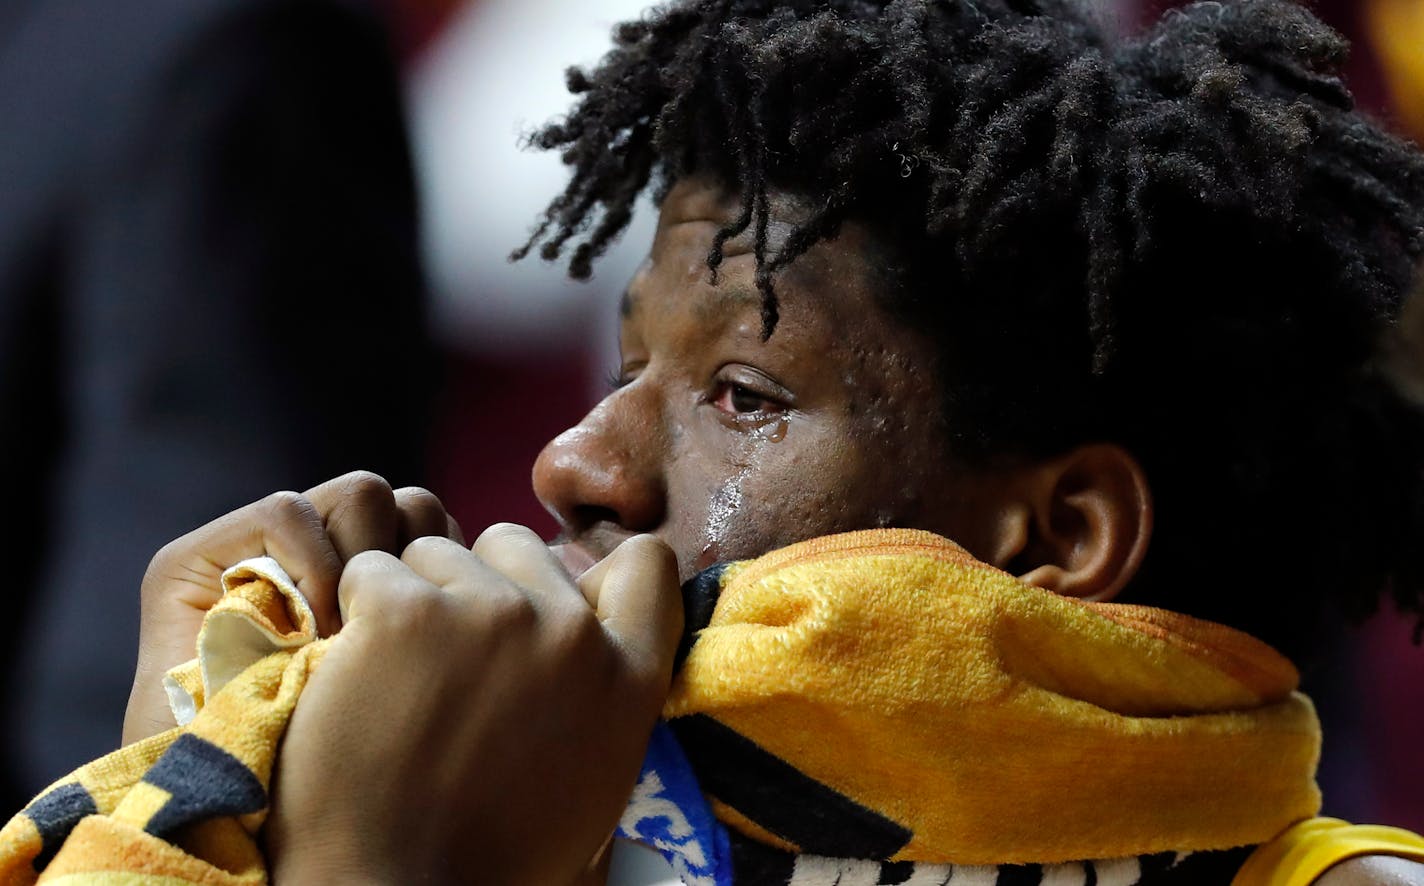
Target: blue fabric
x=668 y=813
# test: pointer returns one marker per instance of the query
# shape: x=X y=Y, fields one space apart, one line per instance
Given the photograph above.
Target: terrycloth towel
x=879 y=707
x=669 y=813
x=184 y=806
x=868 y=708
x=883 y=695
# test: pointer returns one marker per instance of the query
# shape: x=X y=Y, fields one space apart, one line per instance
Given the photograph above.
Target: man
x=1114 y=317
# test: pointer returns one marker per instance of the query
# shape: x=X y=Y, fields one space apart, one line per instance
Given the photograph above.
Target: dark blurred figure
x=208 y=290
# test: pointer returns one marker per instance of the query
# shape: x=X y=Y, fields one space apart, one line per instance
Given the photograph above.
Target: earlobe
x=1079 y=524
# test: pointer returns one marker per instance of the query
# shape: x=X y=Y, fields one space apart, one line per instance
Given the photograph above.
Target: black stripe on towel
x=204 y=782
x=1156 y=864
x=754 y=863
x=699 y=598
x=55 y=814
x=782 y=799
x=1020 y=875
x=1196 y=869
x=892 y=873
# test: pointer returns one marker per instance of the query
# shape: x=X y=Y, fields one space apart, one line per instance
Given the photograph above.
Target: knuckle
x=424 y=547
x=171 y=551
x=362 y=478
x=367 y=488
x=418 y=496
x=284 y=506
x=506 y=534
x=364 y=565
x=423 y=510
x=363 y=574
x=160 y=566
x=402 y=600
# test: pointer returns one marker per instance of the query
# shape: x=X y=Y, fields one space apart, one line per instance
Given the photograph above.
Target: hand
x=481 y=718
x=312 y=535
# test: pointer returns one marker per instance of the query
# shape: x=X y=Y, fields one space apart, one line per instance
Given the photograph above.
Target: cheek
x=735 y=495
x=720 y=490
x=893 y=416
x=778 y=490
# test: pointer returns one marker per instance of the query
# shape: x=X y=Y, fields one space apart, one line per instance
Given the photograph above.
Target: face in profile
x=727 y=445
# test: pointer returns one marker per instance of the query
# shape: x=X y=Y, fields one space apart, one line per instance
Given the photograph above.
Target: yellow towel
x=185 y=806
x=928 y=707
x=917 y=704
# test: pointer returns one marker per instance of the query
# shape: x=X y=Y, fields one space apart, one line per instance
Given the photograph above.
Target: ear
x=1077 y=524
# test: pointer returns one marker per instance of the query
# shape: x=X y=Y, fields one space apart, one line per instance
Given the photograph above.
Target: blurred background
x=241 y=240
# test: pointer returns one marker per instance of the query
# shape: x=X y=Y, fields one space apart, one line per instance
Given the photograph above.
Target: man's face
x=728 y=446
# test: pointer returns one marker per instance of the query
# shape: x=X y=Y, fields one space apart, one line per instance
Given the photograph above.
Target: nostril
x=585 y=516
x=606 y=470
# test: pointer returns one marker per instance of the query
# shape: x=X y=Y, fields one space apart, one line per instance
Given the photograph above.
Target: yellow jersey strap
x=1308 y=849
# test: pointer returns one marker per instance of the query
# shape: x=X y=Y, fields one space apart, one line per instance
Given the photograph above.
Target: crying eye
x=735 y=399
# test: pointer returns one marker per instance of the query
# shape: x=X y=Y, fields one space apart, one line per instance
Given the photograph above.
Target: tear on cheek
x=723 y=512
x=773 y=431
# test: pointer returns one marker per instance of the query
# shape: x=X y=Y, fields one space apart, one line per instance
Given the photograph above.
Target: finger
x=375 y=582
x=359 y=510
x=638 y=602
x=284 y=526
x=421 y=513
x=592 y=578
x=453 y=531
x=455 y=569
x=520 y=555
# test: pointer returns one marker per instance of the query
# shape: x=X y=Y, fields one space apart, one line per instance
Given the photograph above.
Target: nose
x=607 y=468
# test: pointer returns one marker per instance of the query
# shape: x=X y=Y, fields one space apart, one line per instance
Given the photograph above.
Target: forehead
x=835 y=280
x=834 y=344
x=854 y=392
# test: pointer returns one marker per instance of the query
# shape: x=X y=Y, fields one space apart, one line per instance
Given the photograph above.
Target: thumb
x=635 y=593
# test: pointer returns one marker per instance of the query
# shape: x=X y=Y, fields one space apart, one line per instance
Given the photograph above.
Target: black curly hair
x=1185 y=242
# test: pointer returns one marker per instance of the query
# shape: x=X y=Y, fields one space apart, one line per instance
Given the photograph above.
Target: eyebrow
x=708 y=307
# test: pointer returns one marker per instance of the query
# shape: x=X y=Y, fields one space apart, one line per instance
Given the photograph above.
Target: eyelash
x=731 y=390
x=616 y=380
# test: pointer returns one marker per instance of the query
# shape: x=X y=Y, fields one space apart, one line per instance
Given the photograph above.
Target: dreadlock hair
x=1185 y=242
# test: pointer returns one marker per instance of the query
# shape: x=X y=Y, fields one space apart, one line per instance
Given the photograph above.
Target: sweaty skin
x=727 y=446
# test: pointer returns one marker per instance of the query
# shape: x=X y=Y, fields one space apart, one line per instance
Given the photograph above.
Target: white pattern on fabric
x=814 y=870
x=647 y=807
x=974 y=875
x=1118 y=871
x=930 y=875
x=1071 y=874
